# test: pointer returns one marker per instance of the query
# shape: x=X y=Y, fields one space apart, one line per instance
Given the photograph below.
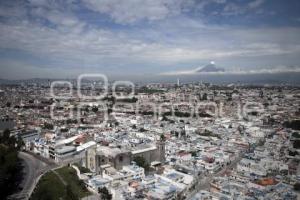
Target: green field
x=51 y=187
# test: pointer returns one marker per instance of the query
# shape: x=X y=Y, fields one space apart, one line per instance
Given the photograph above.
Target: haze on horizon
x=61 y=39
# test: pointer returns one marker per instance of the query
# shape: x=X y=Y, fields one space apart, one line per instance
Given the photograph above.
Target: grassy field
x=69 y=175
x=51 y=187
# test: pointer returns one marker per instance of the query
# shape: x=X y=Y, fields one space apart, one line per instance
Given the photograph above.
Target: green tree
x=141 y=162
x=95 y=109
x=204 y=97
x=20 y=142
x=296 y=135
x=5 y=136
x=194 y=153
x=294 y=124
x=164 y=118
x=10 y=167
x=296 y=144
x=8 y=104
x=297 y=186
x=48 y=126
x=104 y=193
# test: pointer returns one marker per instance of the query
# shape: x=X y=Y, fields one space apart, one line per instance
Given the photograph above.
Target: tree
x=95 y=109
x=142 y=129
x=296 y=144
x=294 y=124
x=183 y=133
x=10 y=167
x=194 y=153
x=104 y=193
x=295 y=135
x=204 y=97
x=8 y=104
x=48 y=126
x=297 y=186
x=141 y=162
x=215 y=93
x=20 y=142
x=5 y=136
x=293 y=153
x=7 y=139
x=164 y=118
x=261 y=94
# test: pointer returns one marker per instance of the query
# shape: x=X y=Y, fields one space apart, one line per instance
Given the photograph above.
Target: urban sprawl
x=157 y=141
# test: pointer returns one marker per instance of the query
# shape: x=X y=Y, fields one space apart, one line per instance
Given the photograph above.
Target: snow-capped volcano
x=211 y=67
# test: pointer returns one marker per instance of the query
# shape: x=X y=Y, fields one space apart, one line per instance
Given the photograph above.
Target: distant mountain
x=5 y=81
x=211 y=67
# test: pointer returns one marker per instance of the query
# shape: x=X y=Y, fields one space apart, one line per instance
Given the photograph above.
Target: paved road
x=204 y=181
x=33 y=168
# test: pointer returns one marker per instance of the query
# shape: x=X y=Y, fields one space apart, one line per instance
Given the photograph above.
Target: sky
x=65 y=38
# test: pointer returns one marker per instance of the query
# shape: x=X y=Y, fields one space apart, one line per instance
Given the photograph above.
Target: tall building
x=6 y=123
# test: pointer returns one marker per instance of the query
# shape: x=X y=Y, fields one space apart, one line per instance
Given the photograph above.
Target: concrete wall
x=91 y=159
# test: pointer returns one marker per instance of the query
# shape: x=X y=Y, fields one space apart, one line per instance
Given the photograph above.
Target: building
x=100 y=157
x=6 y=123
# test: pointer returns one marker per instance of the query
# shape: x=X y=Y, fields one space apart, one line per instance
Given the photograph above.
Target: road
x=33 y=168
x=204 y=181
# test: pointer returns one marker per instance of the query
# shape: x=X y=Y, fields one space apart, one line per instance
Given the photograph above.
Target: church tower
x=161 y=150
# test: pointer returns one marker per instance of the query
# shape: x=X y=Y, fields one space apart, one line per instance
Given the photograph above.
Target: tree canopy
x=141 y=162
x=104 y=193
x=10 y=165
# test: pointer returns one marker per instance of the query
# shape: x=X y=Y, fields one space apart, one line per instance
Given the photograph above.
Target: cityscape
x=149 y=100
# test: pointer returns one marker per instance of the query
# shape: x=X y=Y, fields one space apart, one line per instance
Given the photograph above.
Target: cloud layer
x=131 y=11
x=134 y=36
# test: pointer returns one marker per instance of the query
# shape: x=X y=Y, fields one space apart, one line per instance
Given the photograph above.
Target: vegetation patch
x=51 y=187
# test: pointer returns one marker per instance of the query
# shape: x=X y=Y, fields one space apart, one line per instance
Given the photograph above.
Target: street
x=203 y=182
x=33 y=168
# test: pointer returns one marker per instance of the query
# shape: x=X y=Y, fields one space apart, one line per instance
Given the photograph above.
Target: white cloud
x=233 y=9
x=237 y=9
x=130 y=11
x=56 y=17
x=255 y=4
x=39 y=2
x=92 y=46
x=220 y=1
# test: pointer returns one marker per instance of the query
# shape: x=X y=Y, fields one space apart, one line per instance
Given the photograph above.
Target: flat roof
x=86 y=145
x=65 y=149
x=144 y=150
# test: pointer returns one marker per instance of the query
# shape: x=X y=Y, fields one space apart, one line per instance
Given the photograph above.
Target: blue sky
x=64 y=38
